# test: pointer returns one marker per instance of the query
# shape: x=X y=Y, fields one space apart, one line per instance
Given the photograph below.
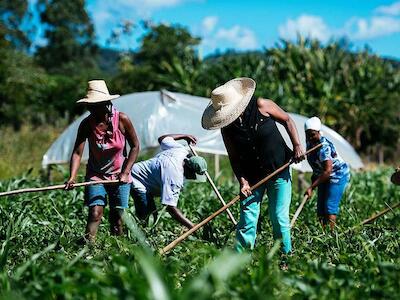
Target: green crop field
x=337 y=60
x=40 y=254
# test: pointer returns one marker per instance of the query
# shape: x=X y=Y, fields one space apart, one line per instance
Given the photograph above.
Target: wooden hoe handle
x=219 y=196
x=56 y=187
x=225 y=207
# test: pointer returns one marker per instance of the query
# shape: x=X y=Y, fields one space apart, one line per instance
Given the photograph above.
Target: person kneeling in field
x=330 y=173
x=163 y=176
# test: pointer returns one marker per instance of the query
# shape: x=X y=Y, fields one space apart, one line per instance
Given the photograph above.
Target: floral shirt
x=327 y=152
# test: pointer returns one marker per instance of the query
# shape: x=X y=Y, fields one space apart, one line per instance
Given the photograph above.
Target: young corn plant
x=41 y=255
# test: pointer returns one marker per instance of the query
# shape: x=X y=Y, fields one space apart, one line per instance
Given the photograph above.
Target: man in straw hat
x=163 y=176
x=106 y=131
x=255 y=148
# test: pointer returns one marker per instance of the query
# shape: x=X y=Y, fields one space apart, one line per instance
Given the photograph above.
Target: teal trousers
x=279 y=192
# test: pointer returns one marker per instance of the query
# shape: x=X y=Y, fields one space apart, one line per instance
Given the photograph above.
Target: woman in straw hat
x=330 y=173
x=107 y=131
x=256 y=149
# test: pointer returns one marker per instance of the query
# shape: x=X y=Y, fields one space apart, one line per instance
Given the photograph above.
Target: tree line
x=355 y=92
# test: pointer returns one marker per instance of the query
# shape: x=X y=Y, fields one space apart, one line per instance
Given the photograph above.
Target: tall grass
x=23 y=149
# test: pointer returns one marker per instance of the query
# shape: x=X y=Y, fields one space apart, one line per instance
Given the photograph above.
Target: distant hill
x=395 y=62
x=217 y=55
x=107 y=60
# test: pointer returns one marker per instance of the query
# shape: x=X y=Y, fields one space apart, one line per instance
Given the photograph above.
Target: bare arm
x=133 y=141
x=77 y=152
x=190 y=139
x=269 y=107
x=324 y=177
x=179 y=216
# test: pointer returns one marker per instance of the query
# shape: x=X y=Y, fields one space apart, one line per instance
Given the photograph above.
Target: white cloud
x=240 y=37
x=355 y=28
x=393 y=9
x=305 y=25
x=213 y=36
x=208 y=24
x=102 y=16
x=362 y=29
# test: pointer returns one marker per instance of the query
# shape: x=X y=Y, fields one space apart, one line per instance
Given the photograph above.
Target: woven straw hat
x=97 y=92
x=228 y=102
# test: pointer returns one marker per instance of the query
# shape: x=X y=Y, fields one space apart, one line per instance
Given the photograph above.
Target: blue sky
x=245 y=25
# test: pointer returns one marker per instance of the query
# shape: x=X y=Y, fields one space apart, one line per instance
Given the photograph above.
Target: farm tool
x=373 y=217
x=395 y=178
x=366 y=221
x=379 y=214
x=56 y=187
x=216 y=190
x=229 y=204
x=299 y=209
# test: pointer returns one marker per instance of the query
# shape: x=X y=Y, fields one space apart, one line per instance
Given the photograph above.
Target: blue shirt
x=328 y=151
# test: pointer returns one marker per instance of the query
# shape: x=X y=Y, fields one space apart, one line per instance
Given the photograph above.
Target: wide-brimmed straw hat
x=97 y=92
x=228 y=102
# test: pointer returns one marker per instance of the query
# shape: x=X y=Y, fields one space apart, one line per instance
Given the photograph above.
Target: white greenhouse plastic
x=156 y=113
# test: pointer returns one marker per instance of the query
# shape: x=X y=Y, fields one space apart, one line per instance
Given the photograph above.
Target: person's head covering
x=228 y=102
x=97 y=92
x=313 y=123
x=197 y=166
x=395 y=178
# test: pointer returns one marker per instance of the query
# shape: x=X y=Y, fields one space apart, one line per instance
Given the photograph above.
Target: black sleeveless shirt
x=259 y=146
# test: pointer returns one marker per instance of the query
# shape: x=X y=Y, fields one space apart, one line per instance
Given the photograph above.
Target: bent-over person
x=164 y=175
x=330 y=173
x=256 y=149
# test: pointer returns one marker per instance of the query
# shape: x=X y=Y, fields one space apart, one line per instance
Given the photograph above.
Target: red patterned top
x=106 y=150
